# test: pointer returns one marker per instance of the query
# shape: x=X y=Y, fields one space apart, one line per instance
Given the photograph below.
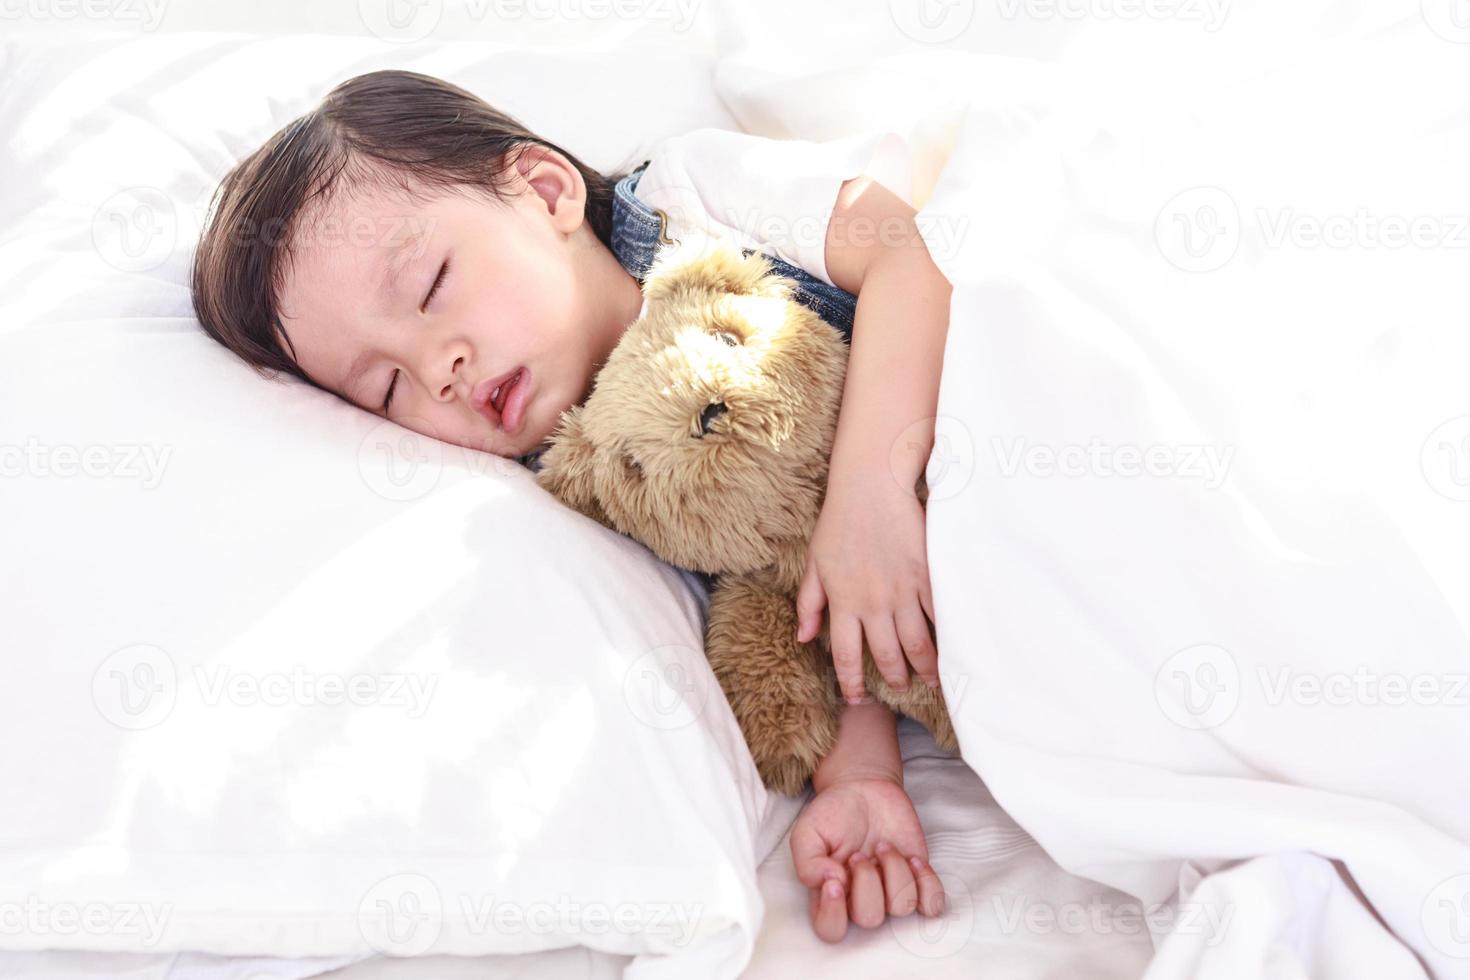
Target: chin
x=533 y=441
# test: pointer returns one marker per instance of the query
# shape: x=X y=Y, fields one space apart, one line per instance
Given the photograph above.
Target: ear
x=568 y=467
x=710 y=264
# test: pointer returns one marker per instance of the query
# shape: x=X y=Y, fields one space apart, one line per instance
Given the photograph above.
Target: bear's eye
x=634 y=468
x=727 y=338
x=711 y=412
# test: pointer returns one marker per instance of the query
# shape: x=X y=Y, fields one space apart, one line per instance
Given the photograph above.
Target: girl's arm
x=868 y=562
x=866 y=747
x=858 y=846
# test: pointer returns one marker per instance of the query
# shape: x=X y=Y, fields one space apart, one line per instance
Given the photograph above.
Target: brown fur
x=740 y=501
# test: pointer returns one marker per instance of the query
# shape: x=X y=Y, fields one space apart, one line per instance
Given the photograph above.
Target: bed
x=1196 y=524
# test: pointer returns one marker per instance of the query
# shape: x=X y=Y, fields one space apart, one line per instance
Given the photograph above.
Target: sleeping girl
x=425 y=257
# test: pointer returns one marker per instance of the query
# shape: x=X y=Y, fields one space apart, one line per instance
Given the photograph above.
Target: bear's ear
x=567 y=467
x=705 y=263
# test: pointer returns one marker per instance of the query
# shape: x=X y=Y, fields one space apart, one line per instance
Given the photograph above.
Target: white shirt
x=775 y=196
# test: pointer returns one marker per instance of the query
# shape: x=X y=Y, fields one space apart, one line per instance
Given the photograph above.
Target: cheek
x=529 y=318
x=548 y=282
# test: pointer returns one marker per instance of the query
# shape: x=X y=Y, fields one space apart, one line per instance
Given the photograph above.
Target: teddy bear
x=706 y=436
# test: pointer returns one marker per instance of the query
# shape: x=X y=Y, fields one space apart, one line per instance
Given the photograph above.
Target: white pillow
x=294 y=681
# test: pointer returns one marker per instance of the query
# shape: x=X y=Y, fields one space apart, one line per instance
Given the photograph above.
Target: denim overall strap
x=639 y=230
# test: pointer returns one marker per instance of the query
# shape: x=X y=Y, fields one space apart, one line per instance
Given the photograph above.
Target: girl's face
x=442 y=302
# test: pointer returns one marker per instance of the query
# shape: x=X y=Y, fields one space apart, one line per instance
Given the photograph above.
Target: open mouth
x=503 y=401
x=502 y=391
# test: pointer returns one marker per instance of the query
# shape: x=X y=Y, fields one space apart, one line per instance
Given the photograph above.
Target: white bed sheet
x=1010 y=912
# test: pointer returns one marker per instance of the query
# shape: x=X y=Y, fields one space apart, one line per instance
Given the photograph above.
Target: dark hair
x=399 y=131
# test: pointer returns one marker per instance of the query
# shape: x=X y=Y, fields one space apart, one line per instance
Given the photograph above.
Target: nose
x=447 y=391
x=443 y=373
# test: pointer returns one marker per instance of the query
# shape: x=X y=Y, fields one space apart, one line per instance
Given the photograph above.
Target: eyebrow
x=392 y=272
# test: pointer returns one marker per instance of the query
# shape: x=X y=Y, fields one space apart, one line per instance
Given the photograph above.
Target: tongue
x=505 y=388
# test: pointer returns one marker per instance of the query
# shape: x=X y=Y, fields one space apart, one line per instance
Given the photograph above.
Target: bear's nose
x=711 y=412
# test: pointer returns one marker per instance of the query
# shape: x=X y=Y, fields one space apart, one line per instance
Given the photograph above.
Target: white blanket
x=1202 y=442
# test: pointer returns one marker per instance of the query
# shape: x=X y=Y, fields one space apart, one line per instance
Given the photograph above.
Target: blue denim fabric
x=639 y=230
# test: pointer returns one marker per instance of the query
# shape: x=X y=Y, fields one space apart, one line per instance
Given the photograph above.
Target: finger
x=813 y=857
x=887 y=654
x=926 y=599
x=829 y=912
x=865 y=904
x=810 y=600
x=918 y=645
x=898 y=880
x=931 y=889
x=847 y=655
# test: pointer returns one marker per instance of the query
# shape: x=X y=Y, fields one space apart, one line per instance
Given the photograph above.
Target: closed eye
x=438 y=281
x=391 y=385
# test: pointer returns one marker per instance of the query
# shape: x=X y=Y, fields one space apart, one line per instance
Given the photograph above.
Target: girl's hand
x=859 y=849
x=868 y=564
